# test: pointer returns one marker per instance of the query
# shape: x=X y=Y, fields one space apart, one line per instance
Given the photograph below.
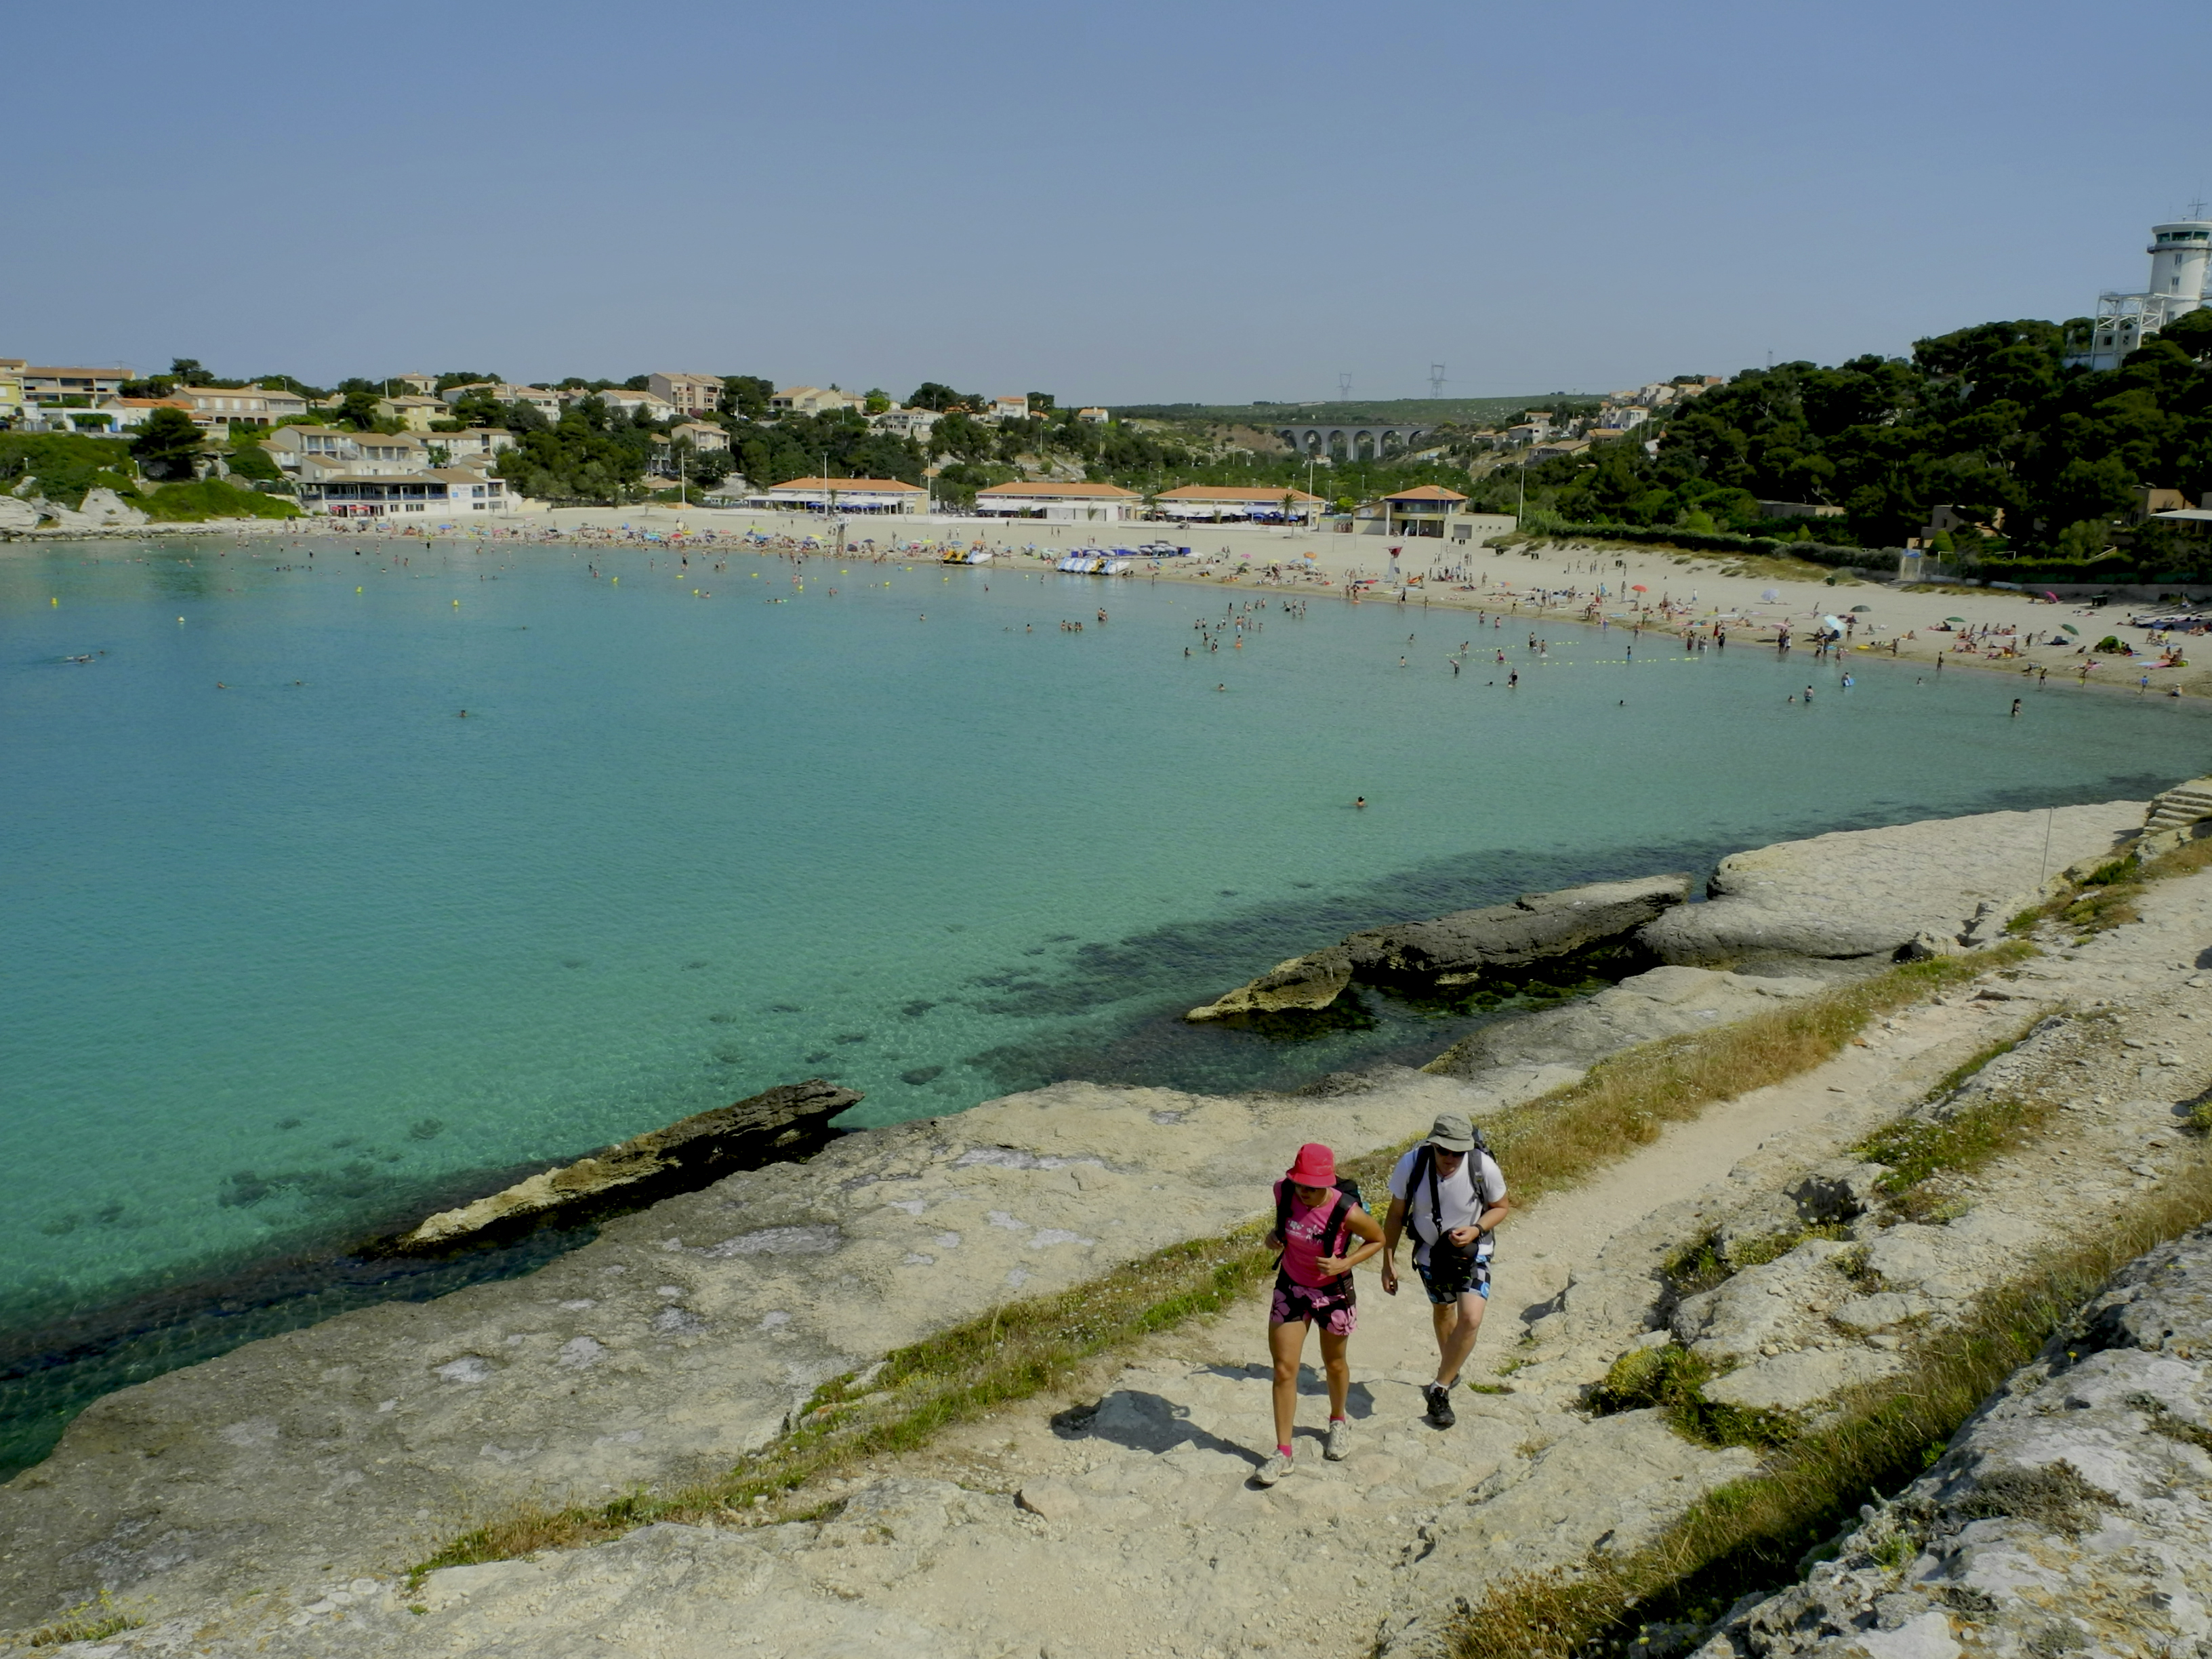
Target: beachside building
x=470 y=443
x=813 y=400
x=1553 y=448
x=692 y=394
x=1240 y=504
x=1041 y=498
x=328 y=450
x=413 y=410
x=225 y=406
x=71 y=388
x=620 y=400
x=129 y=414
x=845 y=495
x=704 y=435
x=1803 y=510
x=1427 y=510
x=12 y=402
x=443 y=491
x=547 y=404
x=915 y=424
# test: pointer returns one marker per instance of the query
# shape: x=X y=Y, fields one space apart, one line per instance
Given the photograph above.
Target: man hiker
x=1323 y=1232
x=1450 y=1191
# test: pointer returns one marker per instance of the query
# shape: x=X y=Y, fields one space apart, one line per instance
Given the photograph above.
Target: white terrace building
x=1075 y=503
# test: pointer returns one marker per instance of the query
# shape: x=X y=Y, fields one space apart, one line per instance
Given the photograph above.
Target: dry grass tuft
x=88 y=1621
x=1625 y=1101
x=1027 y=1348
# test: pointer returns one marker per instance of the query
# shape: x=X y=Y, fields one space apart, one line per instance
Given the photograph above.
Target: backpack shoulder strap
x=1333 y=1235
x=1282 y=1212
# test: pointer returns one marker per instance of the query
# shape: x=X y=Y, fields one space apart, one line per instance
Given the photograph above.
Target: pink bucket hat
x=1316 y=1166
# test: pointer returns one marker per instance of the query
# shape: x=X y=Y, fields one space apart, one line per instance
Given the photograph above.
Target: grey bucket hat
x=1452 y=1134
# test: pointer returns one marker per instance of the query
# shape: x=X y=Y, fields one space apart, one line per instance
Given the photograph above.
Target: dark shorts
x=1449 y=1274
x=1334 y=1307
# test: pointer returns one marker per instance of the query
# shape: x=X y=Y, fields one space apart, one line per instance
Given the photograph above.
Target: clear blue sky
x=1114 y=203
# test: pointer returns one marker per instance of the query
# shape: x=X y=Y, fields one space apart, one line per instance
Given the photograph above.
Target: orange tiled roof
x=1426 y=493
x=1233 y=493
x=1045 y=487
x=845 y=484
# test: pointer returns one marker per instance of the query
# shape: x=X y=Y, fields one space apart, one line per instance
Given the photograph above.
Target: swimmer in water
x=1359 y=800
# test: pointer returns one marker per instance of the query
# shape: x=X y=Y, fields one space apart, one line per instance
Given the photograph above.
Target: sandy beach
x=1662 y=590
x=1556 y=581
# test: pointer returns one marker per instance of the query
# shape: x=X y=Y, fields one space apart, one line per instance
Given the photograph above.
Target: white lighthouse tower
x=2180 y=261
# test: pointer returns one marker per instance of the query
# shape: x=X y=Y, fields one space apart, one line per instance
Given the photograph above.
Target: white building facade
x=2180 y=259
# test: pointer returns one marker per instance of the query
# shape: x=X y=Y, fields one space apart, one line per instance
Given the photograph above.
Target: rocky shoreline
x=237 y=1499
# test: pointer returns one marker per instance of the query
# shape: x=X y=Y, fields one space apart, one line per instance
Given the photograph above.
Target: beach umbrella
x=1641 y=588
x=1956 y=619
x=1770 y=594
x=1857 y=608
x=2070 y=628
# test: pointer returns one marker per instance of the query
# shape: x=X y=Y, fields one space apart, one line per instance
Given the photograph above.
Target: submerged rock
x=782 y=1125
x=1467 y=946
x=1304 y=984
x=1457 y=952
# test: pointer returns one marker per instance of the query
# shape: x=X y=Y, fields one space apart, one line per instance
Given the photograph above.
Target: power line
x=1436 y=380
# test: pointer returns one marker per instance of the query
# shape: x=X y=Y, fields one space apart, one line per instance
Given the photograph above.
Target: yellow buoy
x=355 y=590
x=457 y=604
x=55 y=600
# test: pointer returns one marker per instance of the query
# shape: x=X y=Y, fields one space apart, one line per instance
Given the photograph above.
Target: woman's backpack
x=1347 y=1198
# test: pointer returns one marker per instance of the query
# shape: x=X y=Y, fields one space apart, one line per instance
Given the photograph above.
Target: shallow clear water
x=280 y=960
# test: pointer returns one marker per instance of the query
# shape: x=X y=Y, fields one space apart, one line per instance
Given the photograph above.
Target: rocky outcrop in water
x=1304 y=984
x=1467 y=946
x=2072 y=1515
x=783 y=1125
x=1460 y=950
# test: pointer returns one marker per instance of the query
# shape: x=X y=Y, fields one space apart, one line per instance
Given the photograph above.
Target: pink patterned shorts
x=1334 y=1307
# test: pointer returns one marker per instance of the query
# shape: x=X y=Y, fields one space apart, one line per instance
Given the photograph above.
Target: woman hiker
x=1315 y=1220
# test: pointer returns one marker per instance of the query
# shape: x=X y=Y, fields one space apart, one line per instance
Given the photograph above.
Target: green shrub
x=215 y=498
x=1673 y=1380
x=63 y=464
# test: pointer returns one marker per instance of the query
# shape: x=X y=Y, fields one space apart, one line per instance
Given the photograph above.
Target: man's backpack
x=1347 y=1198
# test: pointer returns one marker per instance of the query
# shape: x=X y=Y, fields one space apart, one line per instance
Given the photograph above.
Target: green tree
x=879 y=400
x=357 y=409
x=188 y=371
x=168 y=445
x=746 y=396
x=935 y=394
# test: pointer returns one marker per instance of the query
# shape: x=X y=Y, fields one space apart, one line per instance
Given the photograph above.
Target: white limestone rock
x=1873 y=892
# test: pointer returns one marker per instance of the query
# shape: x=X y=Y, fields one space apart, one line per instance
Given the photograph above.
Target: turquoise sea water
x=283 y=959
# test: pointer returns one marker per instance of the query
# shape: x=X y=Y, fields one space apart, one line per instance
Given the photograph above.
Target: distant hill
x=1460 y=411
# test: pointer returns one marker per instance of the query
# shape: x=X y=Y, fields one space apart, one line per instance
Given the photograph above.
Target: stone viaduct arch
x=1350 y=441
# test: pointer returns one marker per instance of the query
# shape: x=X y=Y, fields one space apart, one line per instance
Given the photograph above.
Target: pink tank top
x=1302 y=1236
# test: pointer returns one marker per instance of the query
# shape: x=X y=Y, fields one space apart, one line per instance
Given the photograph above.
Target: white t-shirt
x=1455 y=1198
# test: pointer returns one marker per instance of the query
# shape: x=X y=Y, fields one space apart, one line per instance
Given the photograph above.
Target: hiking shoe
x=1340 y=1441
x=1273 y=1469
x=1440 y=1406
